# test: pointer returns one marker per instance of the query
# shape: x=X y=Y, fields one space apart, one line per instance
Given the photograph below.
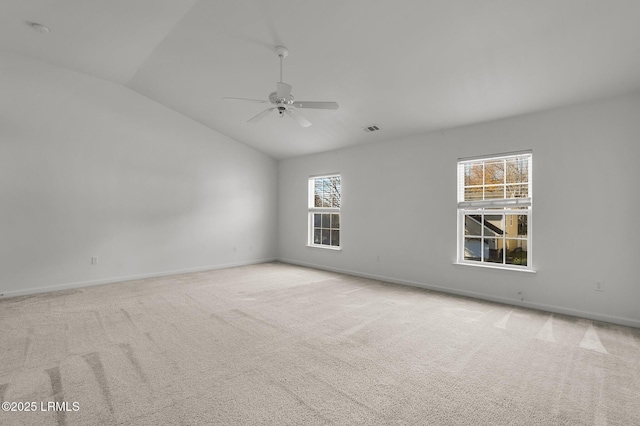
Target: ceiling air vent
x=371 y=128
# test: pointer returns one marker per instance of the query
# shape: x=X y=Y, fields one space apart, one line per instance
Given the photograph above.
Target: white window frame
x=495 y=207
x=313 y=210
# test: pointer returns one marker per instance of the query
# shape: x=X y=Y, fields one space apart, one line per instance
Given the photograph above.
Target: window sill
x=501 y=267
x=334 y=248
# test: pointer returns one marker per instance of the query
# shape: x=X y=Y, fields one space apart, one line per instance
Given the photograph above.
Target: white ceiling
x=409 y=66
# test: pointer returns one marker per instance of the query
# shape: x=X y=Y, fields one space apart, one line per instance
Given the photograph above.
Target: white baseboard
x=539 y=306
x=75 y=285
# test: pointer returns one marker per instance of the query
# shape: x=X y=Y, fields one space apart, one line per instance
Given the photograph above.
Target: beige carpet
x=278 y=344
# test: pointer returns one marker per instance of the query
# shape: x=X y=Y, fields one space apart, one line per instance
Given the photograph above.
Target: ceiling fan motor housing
x=273 y=98
x=282 y=51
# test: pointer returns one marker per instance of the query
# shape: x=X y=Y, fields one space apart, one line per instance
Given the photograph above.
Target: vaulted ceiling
x=408 y=66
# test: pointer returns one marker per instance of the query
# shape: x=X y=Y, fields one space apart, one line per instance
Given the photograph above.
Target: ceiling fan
x=282 y=100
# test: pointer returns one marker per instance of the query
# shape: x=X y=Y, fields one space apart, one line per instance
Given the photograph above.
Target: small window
x=494 y=211
x=324 y=211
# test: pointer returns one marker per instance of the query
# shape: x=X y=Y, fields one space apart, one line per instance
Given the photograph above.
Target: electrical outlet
x=599 y=286
x=94 y=260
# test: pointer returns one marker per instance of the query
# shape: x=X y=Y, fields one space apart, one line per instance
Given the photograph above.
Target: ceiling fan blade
x=303 y=122
x=261 y=115
x=283 y=91
x=317 y=105
x=248 y=100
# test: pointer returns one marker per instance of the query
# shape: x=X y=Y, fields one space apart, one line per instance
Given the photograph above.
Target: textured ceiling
x=409 y=66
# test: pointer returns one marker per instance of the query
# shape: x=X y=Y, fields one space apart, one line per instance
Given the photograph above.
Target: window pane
x=326 y=221
x=472 y=225
x=321 y=193
x=317 y=236
x=516 y=252
x=517 y=191
x=335 y=191
x=473 y=194
x=335 y=238
x=523 y=225
x=335 y=199
x=495 y=250
x=335 y=221
x=494 y=192
x=493 y=225
x=516 y=225
x=493 y=172
x=517 y=170
x=473 y=248
x=317 y=194
x=473 y=174
x=326 y=237
x=316 y=220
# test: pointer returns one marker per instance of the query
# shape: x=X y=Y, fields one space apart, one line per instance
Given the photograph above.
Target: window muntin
x=494 y=211
x=324 y=211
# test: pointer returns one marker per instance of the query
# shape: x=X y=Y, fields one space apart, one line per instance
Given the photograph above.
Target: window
x=494 y=211
x=324 y=211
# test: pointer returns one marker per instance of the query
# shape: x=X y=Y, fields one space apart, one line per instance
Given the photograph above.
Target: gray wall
x=399 y=210
x=89 y=168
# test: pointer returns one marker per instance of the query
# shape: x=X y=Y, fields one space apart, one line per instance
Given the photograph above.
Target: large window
x=494 y=211
x=324 y=211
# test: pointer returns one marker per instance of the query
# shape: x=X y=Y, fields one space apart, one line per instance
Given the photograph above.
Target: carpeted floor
x=277 y=344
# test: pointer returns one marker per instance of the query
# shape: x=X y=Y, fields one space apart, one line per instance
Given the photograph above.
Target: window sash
x=484 y=244
x=507 y=180
x=328 y=227
x=327 y=194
